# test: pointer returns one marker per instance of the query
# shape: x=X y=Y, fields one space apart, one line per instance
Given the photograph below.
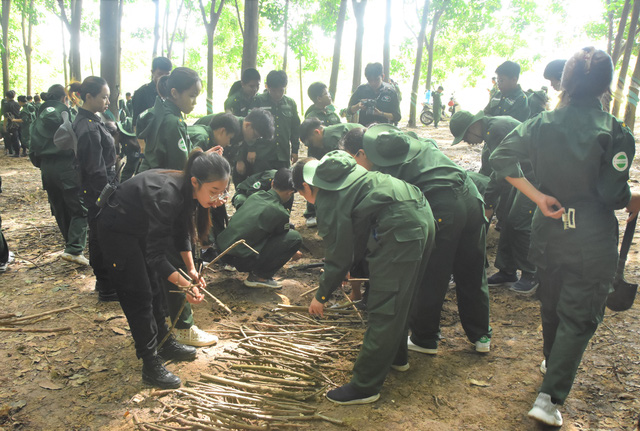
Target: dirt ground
x=89 y=378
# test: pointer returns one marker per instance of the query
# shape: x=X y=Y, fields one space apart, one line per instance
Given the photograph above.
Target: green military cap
x=335 y=171
x=460 y=122
x=386 y=145
x=49 y=121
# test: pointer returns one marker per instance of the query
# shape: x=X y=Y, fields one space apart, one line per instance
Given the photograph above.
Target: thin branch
x=204 y=14
x=239 y=20
x=63 y=15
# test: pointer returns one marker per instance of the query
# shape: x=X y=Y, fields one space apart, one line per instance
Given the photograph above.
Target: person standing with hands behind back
x=148 y=216
x=581 y=157
x=96 y=155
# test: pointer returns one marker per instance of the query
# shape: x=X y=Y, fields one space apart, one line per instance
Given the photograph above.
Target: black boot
x=104 y=294
x=154 y=373
x=172 y=350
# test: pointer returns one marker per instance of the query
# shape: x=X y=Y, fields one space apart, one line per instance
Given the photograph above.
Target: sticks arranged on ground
x=231 y=247
x=265 y=382
x=13 y=323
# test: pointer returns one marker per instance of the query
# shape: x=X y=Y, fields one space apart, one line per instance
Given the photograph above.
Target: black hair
x=308 y=126
x=262 y=122
x=249 y=75
x=36 y=98
x=588 y=73
x=29 y=98
x=554 y=70
x=509 y=69
x=373 y=70
x=10 y=94
x=127 y=94
x=227 y=121
x=440 y=87
x=43 y=93
x=297 y=172
x=277 y=79
x=22 y=99
x=162 y=63
x=351 y=142
x=55 y=92
x=315 y=90
x=91 y=85
x=205 y=167
x=181 y=78
x=282 y=180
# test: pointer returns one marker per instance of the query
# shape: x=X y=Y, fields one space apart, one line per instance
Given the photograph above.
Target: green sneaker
x=483 y=345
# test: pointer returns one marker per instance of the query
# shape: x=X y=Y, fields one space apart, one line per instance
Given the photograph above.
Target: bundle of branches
x=265 y=382
x=12 y=322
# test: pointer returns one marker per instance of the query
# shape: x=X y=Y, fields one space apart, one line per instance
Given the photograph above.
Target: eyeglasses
x=222 y=196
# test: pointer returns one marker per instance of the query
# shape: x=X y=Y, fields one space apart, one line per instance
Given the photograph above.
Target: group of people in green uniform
x=387 y=203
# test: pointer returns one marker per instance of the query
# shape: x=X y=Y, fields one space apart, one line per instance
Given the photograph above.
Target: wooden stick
x=33 y=316
x=309 y=291
x=66 y=328
x=173 y=324
x=231 y=247
x=297 y=309
x=205 y=291
x=354 y=307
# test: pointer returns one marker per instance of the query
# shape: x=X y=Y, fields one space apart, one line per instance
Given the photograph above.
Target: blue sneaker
x=527 y=284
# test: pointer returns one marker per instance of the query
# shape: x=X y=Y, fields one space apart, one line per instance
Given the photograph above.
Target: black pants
x=275 y=253
x=96 y=256
x=141 y=296
x=12 y=141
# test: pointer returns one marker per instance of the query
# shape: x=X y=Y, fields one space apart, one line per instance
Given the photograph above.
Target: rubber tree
x=632 y=98
x=359 y=7
x=210 y=26
x=418 y=67
x=26 y=25
x=337 y=47
x=6 y=84
x=250 y=39
x=110 y=49
x=386 y=47
x=617 y=96
x=72 y=22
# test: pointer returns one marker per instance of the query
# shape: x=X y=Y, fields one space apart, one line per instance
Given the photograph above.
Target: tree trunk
x=173 y=33
x=416 y=72
x=431 y=47
x=210 y=27
x=184 y=40
x=386 y=49
x=64 y=54
x=286 y=36
x=301 y=90
x=165 y=27
x=250 y=44
x=337 y=46
x=119 y=46
x=109 y=50
x=156 y=29
x=27 y=31
x=358 y=10
x=239 y=20
x=609 y=28
x=617 y=96
x=617 y=46
x=632 y=99
x=73 y=26
x=6 y=84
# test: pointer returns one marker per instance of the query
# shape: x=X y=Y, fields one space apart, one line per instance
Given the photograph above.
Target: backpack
x=65 y=138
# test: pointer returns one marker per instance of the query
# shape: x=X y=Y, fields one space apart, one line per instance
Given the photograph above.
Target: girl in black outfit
x=96 y=156
x=147 y=214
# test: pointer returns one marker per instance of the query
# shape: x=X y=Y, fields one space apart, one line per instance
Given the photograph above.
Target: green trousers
x=460 y=250
x=513 y=246
x=62 y=182
x=397 y=259
x=576 y=270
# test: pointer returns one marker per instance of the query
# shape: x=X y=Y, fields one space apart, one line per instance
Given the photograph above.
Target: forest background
x=422 y=44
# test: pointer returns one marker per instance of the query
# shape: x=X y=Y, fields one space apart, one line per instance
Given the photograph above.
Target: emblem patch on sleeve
x=620 y=161
x=182 y=145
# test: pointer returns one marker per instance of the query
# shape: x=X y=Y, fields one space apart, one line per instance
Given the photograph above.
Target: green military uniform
x=28 y=116
x=238 y=104
x=60 y=178
x=200 y=136
x=358 y=211
x=167 y=146
x=581 y=155
x=167 y=141
x=263 y=222
x=514 y=104
x=437 y=107
x=331 y=136
x=327 y=115
x=231 y=152
x=276 y=154
x=537 y=102
x=255 y=183
x=460 y=246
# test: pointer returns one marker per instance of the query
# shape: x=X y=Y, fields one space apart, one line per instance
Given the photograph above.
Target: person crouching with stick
x=143 y=217
x=362 y=211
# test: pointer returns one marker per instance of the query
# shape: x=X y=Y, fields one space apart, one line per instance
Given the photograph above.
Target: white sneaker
x=401 y=368
x=78 y=259
x=545 y=411
x=311 y=222
x=543 y=367
x=195 y=336
x=10 y=258
x=483 y=345
x=420 y=349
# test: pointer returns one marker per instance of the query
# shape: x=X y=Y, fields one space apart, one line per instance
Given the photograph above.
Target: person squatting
x=390 y=207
